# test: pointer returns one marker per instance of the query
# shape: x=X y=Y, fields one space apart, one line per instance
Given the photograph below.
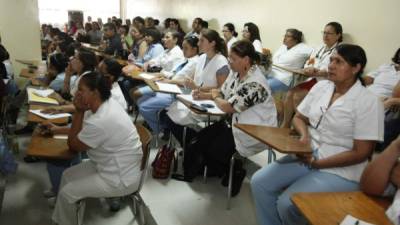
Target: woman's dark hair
x=59 y=61
x=296 y=34
x=204 y=24
x=212 y=35
x=178 y=36
x=70 y=49
x=231 y=29
x=4 y=55
x=113 y=68
x=154 y=33
x=353 y=55
x=338 y=29
x=396 y=57
x=110 y=26
x=193 y=42
x=176 y=21
x=245 y=48
x=166 y=23
x=253 y=30
x=88 y=59
x=138 y=19
x=96 y=81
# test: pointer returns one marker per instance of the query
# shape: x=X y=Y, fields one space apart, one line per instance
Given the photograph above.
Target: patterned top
x=241 y=94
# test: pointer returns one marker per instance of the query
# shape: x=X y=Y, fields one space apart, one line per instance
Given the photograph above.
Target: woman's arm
x=223 y=104
x=376 y=175
x=73 y=141
x=361 y=150
x=300 y=123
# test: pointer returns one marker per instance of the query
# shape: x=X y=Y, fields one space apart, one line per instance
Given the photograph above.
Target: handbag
x=162 y=162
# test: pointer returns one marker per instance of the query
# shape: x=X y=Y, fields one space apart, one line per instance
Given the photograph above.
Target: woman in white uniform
x=342 y=121
x=252 y=34
x=230 y=35
x=316 y=67
x=113 y=147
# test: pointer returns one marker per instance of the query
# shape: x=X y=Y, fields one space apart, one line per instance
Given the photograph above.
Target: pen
x=200 y=86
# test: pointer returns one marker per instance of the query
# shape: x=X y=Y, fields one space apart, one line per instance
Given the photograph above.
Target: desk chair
x=137 y=201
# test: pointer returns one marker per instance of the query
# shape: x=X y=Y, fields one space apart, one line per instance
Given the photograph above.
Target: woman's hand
x=80 y=104
x=390 y=102
x=199 y=95
x=308 y=159
x=48 y=128
x=52 y=110
x=395 y=175
x=69 y=71
x=190 y=83
x=57 y=97
x=215 y=93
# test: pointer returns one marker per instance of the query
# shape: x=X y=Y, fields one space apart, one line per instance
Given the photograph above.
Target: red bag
x=162 y=162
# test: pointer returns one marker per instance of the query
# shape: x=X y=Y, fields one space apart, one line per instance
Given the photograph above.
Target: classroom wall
x=369 y=23
x=20 y=30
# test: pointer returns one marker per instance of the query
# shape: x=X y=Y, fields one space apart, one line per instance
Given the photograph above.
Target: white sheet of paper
x=60 y=136
x=214 y=110
x=43 y=93
x=350 y=220
x=49 y=116
x=147 y=76
x=171 y=88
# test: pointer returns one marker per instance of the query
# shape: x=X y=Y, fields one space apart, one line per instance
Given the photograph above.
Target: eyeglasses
x=327 y=33
x=323 y=111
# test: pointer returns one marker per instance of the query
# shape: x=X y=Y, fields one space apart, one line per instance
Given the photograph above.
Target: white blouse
x=358 y=114
x=206 y=74
x=385 y=79
x=169 y=59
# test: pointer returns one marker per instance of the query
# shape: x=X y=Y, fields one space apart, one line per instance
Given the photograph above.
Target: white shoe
x=49 y=193
x=52 y=202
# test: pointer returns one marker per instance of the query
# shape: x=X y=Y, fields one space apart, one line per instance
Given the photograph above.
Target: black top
x=114 y=45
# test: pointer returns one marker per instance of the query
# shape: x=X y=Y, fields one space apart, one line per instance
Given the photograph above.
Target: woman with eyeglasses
x=316 y=68
x=230 y=35
x=342 y=121
x=251 y=33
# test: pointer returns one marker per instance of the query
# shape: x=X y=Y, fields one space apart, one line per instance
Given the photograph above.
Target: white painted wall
x=20 y=30
x=369 y=23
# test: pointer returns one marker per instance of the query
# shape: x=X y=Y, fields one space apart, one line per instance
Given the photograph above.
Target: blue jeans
x=277 y=85
x=274 y=185
x=150 y=106
x=146 y=92
x=56 y=167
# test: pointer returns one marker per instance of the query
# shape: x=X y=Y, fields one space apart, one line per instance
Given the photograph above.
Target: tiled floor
x=169 y=202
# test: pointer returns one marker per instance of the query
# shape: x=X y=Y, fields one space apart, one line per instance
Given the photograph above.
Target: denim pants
x=277 y=85
x=274 y=185
x=149 y=106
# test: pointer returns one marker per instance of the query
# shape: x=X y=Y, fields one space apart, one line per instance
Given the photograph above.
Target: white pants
x=79 y=182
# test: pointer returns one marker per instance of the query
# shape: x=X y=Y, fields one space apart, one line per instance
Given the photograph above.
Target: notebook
x=32 y=98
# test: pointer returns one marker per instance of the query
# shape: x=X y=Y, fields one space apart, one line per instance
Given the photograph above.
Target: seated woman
x=383 y=80
x=212 y=69
x=342 y=121
x=316 y=67
x=174 y=25
x=246 y=98
x=112 y=70
x=292 y=54
x=252 y=34
x=113 y=147
x=54 y=78
x=168 y=60
x=81 y=64
x=381 y=177
x=230 y=35
x=139 y=46
x=149 y=107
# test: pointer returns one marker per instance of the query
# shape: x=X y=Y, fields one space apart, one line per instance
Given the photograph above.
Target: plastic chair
x=137 y=201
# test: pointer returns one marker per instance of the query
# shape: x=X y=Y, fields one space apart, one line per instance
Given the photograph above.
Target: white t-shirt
x=358 y=114
x=114 y=142
x=230 y=43
x=169 y=59
x=118 y=96
x=257 y=45
x=385 y=79
x=293 y=58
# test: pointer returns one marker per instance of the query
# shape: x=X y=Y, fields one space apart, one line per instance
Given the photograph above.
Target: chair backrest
x=145 y=137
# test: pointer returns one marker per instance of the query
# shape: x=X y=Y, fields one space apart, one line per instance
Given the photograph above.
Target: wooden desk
x=152 y=84
x=331 y=208
x=294 y=71
x=28 y=62
x=37 y=119
x=48 y=147
x=28 y=74
x=277 y=138
x=95 y=48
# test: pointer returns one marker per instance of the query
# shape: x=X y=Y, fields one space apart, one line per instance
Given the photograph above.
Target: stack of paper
x=49 y=116
x=43 y=93
x=147 y=76
x=169 y=88
x=32 y=97
x=350 y=220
